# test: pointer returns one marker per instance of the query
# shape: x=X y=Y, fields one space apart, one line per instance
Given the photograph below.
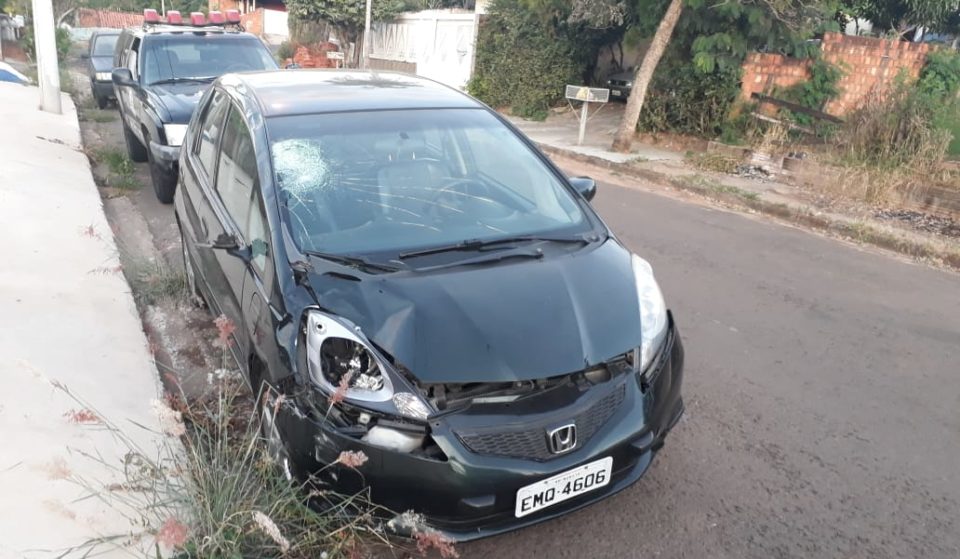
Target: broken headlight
x=653 y=312
x=342 y=361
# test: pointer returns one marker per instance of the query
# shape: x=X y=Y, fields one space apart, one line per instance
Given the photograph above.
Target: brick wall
x=869 y=66
x=106 y=18
x=252 y=21
x=314 y=56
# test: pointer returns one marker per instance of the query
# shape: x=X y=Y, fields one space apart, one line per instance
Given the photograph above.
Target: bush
x=286 y=50
x=940 y=82
x=896 y=130
x=814 y=92
x=523 y=61
x=62 y=38
x=686 y=100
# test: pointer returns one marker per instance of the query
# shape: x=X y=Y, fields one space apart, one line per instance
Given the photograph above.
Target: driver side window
x=132 y=56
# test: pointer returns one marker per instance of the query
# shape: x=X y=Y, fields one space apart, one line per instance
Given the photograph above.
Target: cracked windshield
x=395 y=180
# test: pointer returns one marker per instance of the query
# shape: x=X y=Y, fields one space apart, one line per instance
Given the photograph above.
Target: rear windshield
x=202 y=56
x=103 y=45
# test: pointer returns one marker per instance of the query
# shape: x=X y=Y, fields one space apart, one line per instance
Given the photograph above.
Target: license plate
x=615 y=93
x=559 y=488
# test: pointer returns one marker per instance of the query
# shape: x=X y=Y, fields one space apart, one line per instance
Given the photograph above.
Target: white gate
x=275 y=23
x=440 y=44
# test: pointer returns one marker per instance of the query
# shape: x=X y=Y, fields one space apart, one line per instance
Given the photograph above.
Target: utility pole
x=367 y=38
x=48 y=69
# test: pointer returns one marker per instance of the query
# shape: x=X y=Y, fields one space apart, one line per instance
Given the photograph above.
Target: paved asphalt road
x=823 y=401
x=822 y=390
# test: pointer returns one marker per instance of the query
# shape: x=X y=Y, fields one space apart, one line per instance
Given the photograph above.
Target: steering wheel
x=450 y=200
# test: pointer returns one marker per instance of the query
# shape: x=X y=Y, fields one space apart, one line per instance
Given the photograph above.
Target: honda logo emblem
x=562 y=439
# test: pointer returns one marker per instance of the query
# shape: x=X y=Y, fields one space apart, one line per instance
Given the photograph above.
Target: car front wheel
x=164 y=181
x=136 y=150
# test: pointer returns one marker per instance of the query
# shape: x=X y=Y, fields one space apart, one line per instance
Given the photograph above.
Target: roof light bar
x=151 y=16
x=196 y=18
x=174 y=17
x=233 y=16
x=215 y=17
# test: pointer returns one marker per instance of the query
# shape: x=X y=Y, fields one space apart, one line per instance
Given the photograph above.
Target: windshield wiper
x=480 y=245
x=184 y=80
x=352 y=261
x=535 y=254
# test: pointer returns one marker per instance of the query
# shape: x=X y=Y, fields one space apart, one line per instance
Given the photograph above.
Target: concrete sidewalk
x=561 y=129
x=67 y=317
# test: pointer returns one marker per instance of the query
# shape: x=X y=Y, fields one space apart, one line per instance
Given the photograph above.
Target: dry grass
x=890 y=148
x=714 y=162
x=211 y=491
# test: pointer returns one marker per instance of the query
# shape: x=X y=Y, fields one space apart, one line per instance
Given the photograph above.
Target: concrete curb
x=69 y=321
x=915 y=246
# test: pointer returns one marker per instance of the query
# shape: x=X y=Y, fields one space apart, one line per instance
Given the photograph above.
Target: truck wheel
x=164 y=182
x=101 y=102
x=136 y=150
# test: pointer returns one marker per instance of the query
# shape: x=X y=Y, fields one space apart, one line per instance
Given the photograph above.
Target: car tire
x=101 y=102
x=190 y=273
x=164 y=182
x=136 y=150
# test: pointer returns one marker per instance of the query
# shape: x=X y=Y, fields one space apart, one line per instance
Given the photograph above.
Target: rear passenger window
x=210 y=129
x=237 y=172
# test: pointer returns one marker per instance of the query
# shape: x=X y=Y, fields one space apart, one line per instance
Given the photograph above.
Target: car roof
x=185 y=31
x=292 y=92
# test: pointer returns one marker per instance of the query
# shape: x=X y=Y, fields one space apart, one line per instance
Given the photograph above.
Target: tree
x=345 y=16
x=709 y=40
x=903 y=15
x=641 y=81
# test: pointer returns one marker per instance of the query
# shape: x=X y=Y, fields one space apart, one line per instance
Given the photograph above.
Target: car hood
x=102 y=63
x=517 y=320
x=623 y=76
x=178 y=100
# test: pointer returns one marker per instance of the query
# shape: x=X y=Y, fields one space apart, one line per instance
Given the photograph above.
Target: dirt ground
x=147 y=236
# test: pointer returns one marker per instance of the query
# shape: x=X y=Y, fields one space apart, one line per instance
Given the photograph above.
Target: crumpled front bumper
x=165 y=157
x=470 y=496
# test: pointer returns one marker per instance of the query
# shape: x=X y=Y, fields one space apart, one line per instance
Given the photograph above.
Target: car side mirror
x=224 y=241
x=231 y=245
x=586 y=186
x=122 y=77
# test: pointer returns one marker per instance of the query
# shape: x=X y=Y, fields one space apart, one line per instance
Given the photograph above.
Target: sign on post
x=586 y=95
x=335 y=55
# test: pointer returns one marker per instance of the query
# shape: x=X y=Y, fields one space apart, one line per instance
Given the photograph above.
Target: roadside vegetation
x=210 y=489
x=121 y=170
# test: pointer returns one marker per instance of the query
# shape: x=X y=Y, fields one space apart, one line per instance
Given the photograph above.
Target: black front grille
x=530 y=443
x=621 y=83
